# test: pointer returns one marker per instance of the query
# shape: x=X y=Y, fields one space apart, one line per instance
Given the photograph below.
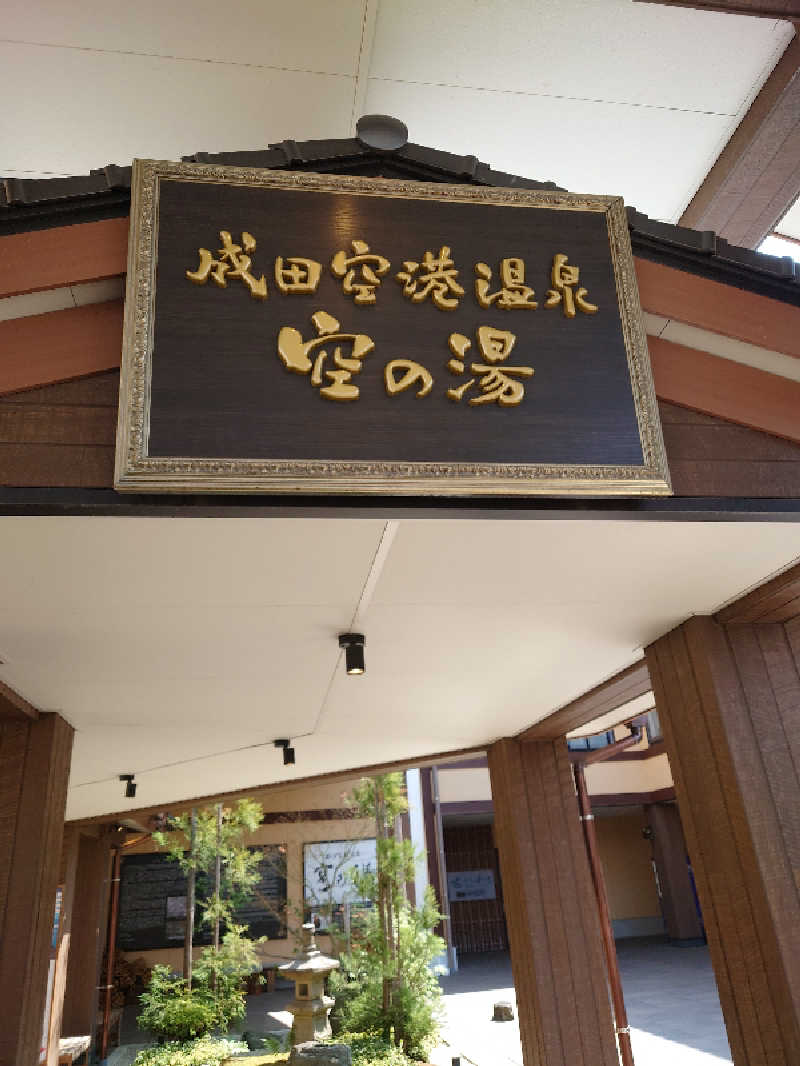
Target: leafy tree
x=392 y=959
x=211 y=842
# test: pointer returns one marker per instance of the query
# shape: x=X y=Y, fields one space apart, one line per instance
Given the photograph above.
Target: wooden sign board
x=323 y=334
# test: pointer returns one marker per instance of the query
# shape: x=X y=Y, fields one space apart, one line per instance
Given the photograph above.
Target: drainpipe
x=623 y=1030
x=444 y=903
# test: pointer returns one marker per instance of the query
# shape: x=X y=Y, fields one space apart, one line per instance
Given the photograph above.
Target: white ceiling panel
x=263 y=33
x=547 y=563
x=606 y=50
x=171 y=643
x=650 y=157
x=249 y=768
x=80 y=110
x=187 y=643
x=184 y=562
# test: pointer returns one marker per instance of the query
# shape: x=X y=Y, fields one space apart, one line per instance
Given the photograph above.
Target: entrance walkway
x=670 y=994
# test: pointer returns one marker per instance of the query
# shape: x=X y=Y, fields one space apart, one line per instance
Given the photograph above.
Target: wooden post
x=87 y=941
x=111 y=947
x=728 y=697
x=34 y=768
x=66 y=883
x=188 y=929
x=669 y=854
x=556 y=950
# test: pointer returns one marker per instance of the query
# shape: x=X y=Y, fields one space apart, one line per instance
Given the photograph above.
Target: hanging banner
x=312 y=333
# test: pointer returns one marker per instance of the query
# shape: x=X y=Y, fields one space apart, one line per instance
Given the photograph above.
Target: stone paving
x=670 y=995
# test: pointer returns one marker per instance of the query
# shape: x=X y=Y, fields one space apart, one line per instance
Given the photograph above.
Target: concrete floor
x=670 y=995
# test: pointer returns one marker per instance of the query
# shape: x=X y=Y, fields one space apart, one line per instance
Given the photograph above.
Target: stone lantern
x=310 y=1005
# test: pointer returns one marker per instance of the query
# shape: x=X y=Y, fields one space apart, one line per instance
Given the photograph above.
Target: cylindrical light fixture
x=130 y=785
x=353 y=644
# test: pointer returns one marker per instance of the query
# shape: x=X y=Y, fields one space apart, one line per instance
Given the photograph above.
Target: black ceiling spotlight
x=130 y=787
x=353 y=644
x=288 y=753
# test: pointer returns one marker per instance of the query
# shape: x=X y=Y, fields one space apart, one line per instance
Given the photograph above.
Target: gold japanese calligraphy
x=412 y=373
x=296 y=355
x=563 y=277
x=513 y=295
x=296 y=275
x=368 y=267
x=234 y=262
x=333 y=358
x=498 y=385
x=434 y=276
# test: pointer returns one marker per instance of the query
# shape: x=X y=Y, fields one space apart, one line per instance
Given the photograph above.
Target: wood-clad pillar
x=89 y=920
x=34 y=768
x=66 y=885
x=553 y=926
x=728 y=697
x=669 y=852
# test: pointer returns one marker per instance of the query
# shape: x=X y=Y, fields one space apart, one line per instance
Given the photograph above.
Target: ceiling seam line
x=177 y=59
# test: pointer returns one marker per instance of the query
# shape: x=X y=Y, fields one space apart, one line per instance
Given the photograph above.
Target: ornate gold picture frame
x=139 y=469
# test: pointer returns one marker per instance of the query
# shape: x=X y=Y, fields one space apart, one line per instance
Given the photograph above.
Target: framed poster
x=328 y=867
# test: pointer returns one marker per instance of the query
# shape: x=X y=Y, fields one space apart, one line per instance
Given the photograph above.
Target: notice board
x=152 y=902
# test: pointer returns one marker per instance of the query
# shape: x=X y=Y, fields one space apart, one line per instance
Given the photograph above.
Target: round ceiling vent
x=382 y=131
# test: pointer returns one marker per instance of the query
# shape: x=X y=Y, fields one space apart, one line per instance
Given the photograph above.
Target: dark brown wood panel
x=768 y=602
x=28 y=423
x=54 y=464
x=14 y=705
x=768 y=9
x=63 y=434
x=723 y=695
x=774 y=480
x=554 y=930
x=66 y=880
x=97 y=390
x=33 y=877
x=13 y=745
x=88 y=936
x=669 y=852
x=757 y=175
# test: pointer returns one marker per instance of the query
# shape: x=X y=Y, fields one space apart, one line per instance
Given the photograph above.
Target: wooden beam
x=66 y=255
x=757 y=176
x=623 y=687
x=745 y=316
x=12 y=705
x=725 y=389
x=777 y=600
x=59 y=346
x=766 y=9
